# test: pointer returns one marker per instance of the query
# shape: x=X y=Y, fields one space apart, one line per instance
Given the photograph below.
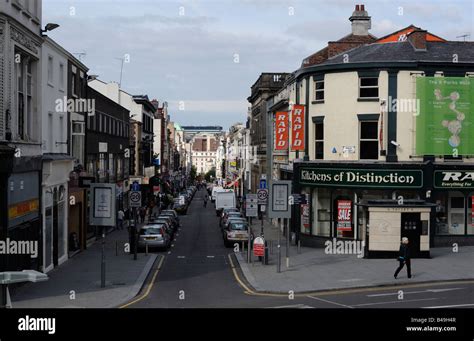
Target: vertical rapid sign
x=281 y=130
x=297 y=128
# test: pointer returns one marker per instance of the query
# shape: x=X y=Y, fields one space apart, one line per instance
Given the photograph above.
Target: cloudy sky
x=207 y=53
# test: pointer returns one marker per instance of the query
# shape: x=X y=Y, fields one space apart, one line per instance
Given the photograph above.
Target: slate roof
x=405 y=52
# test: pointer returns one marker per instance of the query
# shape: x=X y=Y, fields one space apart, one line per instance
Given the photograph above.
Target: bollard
x=243 y=247
x=299 y=246
x=146 y=249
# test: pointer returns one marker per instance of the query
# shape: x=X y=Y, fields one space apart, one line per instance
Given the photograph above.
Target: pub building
x=374 y=168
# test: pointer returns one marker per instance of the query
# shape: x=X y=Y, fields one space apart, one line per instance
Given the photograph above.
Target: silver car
x=154 y=235
x=237 y=232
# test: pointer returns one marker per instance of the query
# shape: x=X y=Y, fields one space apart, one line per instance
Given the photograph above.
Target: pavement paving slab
x=311 y=269
x=76 y=283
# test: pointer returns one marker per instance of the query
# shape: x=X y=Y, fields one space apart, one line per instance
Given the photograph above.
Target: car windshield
x=150 y=231
x=238 y=226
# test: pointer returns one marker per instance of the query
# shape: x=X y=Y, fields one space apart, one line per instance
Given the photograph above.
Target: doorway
x=411 y=228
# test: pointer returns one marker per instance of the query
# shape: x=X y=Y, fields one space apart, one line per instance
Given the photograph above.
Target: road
x=199 y=272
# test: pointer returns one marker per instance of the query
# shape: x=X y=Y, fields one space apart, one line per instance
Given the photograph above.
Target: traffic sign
x=263 y=183
x=135 y=199
x=259 y=247
x=251 y=205
x=262 y=195
x=135 y=186
x=279 y=194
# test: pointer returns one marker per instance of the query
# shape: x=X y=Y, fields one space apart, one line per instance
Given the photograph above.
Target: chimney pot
x=357 y=8
x=362 y=7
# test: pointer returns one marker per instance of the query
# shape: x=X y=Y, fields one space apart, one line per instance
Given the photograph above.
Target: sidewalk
x=82 y=274
x=313 y=270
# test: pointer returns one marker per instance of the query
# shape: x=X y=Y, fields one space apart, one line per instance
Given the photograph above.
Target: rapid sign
x=297 y=128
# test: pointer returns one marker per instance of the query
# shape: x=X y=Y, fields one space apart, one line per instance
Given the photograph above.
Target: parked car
x=166 y=222
x=154 y=235
x=179 y=207
x=233 y=219
x=171 y=213
x=230 y=214
x=227 y=210
x=236 y=232
x=172 y=220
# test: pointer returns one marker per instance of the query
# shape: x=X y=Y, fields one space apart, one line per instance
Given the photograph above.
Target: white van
x=215 y=189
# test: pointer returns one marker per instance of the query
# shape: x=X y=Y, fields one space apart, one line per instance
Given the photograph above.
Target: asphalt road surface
x=200 y=272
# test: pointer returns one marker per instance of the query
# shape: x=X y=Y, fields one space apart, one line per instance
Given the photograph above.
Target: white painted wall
x=54 y=122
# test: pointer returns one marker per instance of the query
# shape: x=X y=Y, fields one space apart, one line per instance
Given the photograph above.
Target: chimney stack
x=361 y=22
x=417 y=38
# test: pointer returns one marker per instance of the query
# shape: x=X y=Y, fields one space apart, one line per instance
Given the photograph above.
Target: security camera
x=395 y=143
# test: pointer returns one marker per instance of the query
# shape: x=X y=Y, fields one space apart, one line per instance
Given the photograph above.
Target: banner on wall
x=297 y=128
x=344 y=215
x=444 y=116
x=281 y=130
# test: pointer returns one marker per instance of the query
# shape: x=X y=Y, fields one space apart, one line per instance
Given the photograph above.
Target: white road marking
x=299 y=306
x=450 y=306
x=172 y=245
x=398 y=301
x=181 y=256
x=351 y=280
x=331 y=302
x=414 y=292
x=169 y=252
x=210 y=256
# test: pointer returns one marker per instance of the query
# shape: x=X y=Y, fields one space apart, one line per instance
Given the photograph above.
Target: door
x=456 y=213
x=55 y=228
x=411 y=228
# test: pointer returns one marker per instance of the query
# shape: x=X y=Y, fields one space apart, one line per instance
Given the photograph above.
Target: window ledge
x=321 y=101
x=369 y=99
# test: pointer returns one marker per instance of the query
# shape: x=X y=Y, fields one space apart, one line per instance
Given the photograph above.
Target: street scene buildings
x=316 y=172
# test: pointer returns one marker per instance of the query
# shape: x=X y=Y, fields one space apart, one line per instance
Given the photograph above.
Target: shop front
x=54 y=210
x=346 y=200
x=453 y=195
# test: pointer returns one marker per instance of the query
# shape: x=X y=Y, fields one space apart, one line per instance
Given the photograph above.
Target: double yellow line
x=150 y=286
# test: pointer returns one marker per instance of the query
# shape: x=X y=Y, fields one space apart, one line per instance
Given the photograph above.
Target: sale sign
x=344 y=215
x=297 y=128
x=281 y=131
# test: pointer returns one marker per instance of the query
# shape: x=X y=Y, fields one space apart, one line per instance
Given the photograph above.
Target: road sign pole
x=288 y=244
x=249 y=247
x=279 y=248
x=102 y=267
x=135 y=246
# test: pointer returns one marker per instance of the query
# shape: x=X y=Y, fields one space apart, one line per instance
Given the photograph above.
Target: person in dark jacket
x=404 y=257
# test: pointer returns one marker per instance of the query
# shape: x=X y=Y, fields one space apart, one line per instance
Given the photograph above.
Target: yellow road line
x=249 y=291
x=150 y=286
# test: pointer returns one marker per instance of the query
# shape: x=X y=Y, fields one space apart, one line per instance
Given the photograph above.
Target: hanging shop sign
x=368 y=178
x=281 y=130
x=297 y=128
x=344 y=215
x=449 y=179
x=444 y=121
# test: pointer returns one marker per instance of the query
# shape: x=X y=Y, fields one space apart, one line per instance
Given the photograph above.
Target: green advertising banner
x=445 y=119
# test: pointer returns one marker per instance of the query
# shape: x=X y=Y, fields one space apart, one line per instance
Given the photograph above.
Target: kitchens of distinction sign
x=368 y=178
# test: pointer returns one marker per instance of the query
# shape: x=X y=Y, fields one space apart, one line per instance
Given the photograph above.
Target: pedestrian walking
x=120 y=218
x=404 y=257
x=142 y=214
x=206 y=198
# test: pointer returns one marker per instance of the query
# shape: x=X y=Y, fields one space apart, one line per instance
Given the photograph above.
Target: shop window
x=470 y=214
x=369 y=144
x=368 y=87
x=450 y=214
x=321 y=212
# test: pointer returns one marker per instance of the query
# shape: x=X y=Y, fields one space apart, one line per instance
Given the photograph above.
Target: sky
x=202 y=56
